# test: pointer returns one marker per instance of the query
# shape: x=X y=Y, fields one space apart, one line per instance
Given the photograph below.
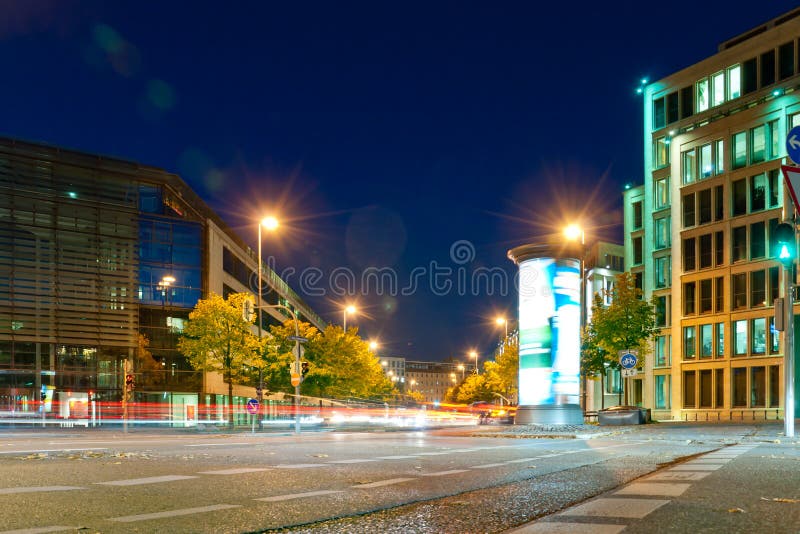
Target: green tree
x=217 y=338
x=627 y=323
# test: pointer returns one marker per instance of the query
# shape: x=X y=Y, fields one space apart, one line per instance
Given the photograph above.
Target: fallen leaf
x=782 y=499
x=319 y=455
x=736 y=510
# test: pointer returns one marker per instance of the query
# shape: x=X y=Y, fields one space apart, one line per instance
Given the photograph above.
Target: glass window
x=734 y=82
x=774 y=287
x=749 y=76
x=688 y=166
x=759 y=336
x=688 y=210
x=774 y=188
x=705 y=341
x=663 y=274
x=706 y=251
x=739 y=283
x=758 y=144
x=719 y=157
x=774 y=386
x=758 y=387
x=719 y=300
x=689 y=387
x=672 y=107
x=739 y=152
x=661 y=152
x=637 y=215
x=701 y=93
x=706 y=296
x=794 y=120
x=758 y=289
x=719 y=248
x=662 y=193
x=706 y=163
x=768 y=68
x=661 y=391
x=718 y=85
x=739 y=387
x=706 y=388
x=689 y=343
x=637 y=250
x=774 y=336
x=719 y=386
x=662 y=232
x=689 y=289
x=661 y=310
x=719 y=199
x=739 y=243
x=739 y=338
x=719 y=340
x=758 y=192
x=774 y=140
x=739 y=194
x=661 y=351
x=704 y=206
x=689 y=251
x=758 y=240
x=659 y=115
x=786 y=60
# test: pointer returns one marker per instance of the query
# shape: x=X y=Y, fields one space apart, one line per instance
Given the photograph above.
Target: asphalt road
x=426 y=481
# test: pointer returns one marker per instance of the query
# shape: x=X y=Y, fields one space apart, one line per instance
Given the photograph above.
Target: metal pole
x=344 y=320
x=260 y=368
x=297 y=368
x=788 y=367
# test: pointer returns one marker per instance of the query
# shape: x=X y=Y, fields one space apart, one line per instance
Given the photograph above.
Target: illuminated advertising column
x=549 y=336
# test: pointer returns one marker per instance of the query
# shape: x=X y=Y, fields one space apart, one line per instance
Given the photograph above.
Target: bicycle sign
x=628 y=359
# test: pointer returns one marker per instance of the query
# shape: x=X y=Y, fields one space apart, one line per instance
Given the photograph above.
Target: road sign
x=301 y=339
x=252 y=406
x=791 y=175
x=629 y=372
x=628 y=359
x=295 y=379
x=793 y=144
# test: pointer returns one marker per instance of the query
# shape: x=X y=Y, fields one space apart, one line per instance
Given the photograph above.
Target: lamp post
x=502 y=321
x=347 y=309
x=574 y=232
x=271 y=224
x=474 y=354
x=461 y=368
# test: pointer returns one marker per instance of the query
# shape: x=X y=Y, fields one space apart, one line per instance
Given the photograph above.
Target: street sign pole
x=791 y=179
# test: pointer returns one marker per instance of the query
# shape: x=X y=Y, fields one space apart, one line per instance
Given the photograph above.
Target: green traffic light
x=784 y=253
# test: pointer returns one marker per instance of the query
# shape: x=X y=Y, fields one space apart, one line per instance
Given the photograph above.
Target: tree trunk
x=230 y=402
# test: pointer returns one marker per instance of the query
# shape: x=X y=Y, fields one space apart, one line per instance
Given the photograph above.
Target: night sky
x=415 y=136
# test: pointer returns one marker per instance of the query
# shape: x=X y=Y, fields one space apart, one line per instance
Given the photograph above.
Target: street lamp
x=461 y=368
x=502 y=321
x=347 y=309
x=474 y=354
x=373 y=346
x=574 y=232
x=271 y=224
x=163 y=285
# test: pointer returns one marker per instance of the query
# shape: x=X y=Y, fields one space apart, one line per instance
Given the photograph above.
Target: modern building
x=433 y=379
x=698 y=231
x=101 y=261
x=394 y=367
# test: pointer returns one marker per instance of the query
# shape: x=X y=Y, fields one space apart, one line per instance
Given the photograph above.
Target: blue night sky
x=382 y=134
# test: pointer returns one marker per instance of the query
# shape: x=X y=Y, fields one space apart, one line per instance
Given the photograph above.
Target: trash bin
x=622 y=415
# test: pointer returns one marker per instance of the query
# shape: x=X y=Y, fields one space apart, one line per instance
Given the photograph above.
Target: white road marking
x=521 y=460
x=708 y=460
x=174 y=513
x=432 y=453
x=621 y=507
x=353 y=461
x=30 y=451
x=235 y=471
x=554 y=527
x=396 y=457
x=147 y=480
x=298 y=495
x=39 y=530
x=486 y=466
x=37 y=489
x=662 y=489
x=380 y=483
x=215 y=444
x=298 y=466
x=443 y=473
x=688 y=475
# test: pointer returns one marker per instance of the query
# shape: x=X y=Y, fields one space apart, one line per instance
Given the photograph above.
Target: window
x=738 y=243
x=758 y=144
x=758 y=240
x=773 y=140
x=774 y=336
x=774 y=386
x=672 y=107
x=661 y=392
x=613 y=381
x=774 y=188
x=768 y=68
x=688 y=166
x=689 y=251
x=749 y=76
x=663 y=274
x=734 y=82
x=688 y=210
x=739 y=197
x=662 y=313
x=706 y=388
x=687 y=102
x=719 y=248
x=705 y=341
x=719 y=388
x=659 y=116
x=739 y=387
x=637 y=215
x=662 y=193
x=719 y=295
x=758 y=387
x=704 y=205
x=719 y=157
x=786 y=60
x=739 y=152
x=661 y=152
x=637 y=250
x=689 y=289
x=719 y=211
x=719 y=340
x=638 y=282
x=701 y=95
x=758 y=289
x=661 y=351
x=706 y=251
x=739 y=338
x=758 y=192
x=706 y=163
x=739 y=283
x=689 y=343
x=689 y=389
x=718 y=89
x=774 y=287
x=662 y=231
x=706 y=297
x=759 y=337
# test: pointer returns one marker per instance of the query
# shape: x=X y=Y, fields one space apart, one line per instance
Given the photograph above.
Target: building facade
x=433 y=379
x=698 y=231
x=101 y=261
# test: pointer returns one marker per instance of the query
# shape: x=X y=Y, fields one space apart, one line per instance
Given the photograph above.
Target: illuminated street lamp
x=474 y=354
x=461 y=368
x=502 y=321
x=453 y=378
x=574 y=232
x=271 y=224
x=349 y=309
x=373 y=346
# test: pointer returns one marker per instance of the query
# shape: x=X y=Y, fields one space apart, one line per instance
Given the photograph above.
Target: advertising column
x=549 y=336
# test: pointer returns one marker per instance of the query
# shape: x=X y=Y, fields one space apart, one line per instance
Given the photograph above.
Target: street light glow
x=373 y=345
x=350 y=309
x=270 y=223
x=500 y=320
x=573 y=232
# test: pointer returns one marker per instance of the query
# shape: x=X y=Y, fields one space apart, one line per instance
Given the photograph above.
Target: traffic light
x=785 y=244
x=304 y=368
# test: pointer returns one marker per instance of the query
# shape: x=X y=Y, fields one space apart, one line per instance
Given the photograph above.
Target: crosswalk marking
x=686 y=475
x=37 y=489
x=353 y=461
x=486 y=466
x=663 y=489
x=291 y=496
x=39 y=530
x=443 y=473
x=628 y=508
x=147 y=480
x=399 y=457
x=380 y=483
x=235 y=471
x=174 y=513
x=297 y=466
x=558 y=527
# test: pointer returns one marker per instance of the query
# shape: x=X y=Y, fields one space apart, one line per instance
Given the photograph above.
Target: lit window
x=662 y=193
x=739 y=338
x=706 y=163
x=689 y=343
x=759 y=336
x=688 y=165
x=701 y=94
x=719 y=157
x=718 y=85
x=661 y=152
x=734 y=82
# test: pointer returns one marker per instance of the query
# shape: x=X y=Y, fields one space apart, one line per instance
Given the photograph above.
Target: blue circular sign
x=628 y=361
x=793 y=144
x=252 y=406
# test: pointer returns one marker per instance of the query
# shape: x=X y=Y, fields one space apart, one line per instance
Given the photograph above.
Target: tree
x=217 y=338
x=627 y=323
